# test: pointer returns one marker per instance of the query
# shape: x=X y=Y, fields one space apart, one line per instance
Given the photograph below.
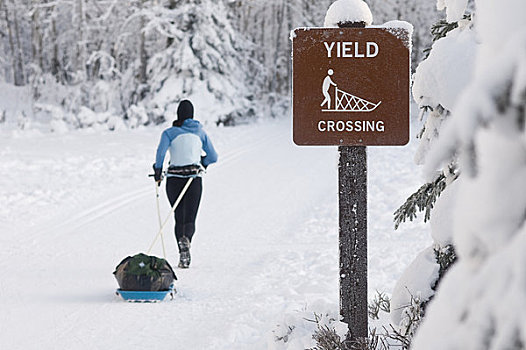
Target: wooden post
x=353 y=238
x=353 y=234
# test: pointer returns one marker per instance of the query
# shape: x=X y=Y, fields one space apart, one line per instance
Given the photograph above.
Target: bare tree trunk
x=11 y=41
x=20 y=80
x=247 y=20
x=171 y=5
x=142 y=52
x=277 y=86
x=290 y=25
x=55 y=63
x=36 y=42
x=16 y=48
x=81 y=45
x=4 y=67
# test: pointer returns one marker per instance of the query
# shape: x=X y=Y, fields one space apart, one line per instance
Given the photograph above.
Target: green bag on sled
x=143 y=272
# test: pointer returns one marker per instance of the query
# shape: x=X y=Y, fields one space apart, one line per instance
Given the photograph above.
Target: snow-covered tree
x=478 y=302
x=438 y=83
x=13 y=31
x=118 y=57
x=206 y=61
x=268 y=24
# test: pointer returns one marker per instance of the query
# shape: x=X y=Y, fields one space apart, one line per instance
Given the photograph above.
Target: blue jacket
x=186 y=144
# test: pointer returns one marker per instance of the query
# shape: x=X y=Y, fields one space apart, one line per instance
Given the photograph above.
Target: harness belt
x=185 y=170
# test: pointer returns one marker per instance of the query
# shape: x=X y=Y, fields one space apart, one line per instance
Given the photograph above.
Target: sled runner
x=146 y=296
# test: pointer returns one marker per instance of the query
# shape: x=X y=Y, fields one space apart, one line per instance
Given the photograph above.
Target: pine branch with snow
x=438 y=83
x=440 y=29
x=477 y=302
x=422 y=200
x=445 y=257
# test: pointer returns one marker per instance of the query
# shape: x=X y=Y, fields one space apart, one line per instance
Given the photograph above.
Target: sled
x=346 y=102
x=133 y=296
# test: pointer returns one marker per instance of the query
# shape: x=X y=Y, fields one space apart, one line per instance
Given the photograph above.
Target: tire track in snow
x=119 y=202
x=94 y=213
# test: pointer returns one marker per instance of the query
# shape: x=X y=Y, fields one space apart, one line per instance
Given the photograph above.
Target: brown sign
x=350 y=86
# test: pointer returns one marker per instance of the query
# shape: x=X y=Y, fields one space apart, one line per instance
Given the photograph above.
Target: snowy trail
x=266 y=241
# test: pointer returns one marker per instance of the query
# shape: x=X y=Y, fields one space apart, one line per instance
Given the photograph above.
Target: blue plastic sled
x=145 y=296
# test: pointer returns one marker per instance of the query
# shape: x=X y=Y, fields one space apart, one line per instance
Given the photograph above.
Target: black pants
x=186 y=211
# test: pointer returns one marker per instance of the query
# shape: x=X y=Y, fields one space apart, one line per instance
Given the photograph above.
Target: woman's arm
x=161 y=150
x=211 y=154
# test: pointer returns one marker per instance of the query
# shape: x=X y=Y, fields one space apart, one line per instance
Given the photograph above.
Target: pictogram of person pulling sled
x=344 y=101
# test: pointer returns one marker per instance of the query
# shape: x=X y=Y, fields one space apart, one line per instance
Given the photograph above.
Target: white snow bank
x=348 y=11
x=294 y=331
x=87 y=192
x=493 y=218
x=448 y=69
x=441 y=223
x=14 y=101
x=474 y=308
x=416 y=282
x=497 y=22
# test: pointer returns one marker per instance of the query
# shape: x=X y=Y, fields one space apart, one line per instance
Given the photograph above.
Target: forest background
x=111 y=64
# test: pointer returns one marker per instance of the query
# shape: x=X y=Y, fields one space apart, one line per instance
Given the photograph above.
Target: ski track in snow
x=266 y=243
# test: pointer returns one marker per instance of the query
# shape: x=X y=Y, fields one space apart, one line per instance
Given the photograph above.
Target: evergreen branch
x=441 y=28
x=422 y=200
x=445 y=257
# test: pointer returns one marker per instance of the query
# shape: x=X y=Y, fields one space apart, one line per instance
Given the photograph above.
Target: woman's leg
x=186 y=211
x=192 y=199
x=174 y=186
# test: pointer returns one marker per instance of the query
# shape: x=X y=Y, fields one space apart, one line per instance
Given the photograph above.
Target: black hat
x=185 y=110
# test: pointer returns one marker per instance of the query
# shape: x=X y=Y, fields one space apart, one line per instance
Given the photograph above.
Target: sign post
x=351 y=89
x=352 y=197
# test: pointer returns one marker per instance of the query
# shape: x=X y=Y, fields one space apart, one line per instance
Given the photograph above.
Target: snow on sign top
x=342 y=11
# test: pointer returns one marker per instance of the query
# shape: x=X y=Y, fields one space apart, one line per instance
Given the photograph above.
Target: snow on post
x=348 y=11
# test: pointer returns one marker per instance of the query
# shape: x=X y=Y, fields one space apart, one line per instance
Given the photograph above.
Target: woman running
x=187 y=141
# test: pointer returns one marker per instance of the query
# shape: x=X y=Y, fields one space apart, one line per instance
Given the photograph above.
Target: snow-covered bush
x=438 y=83
x=136 y=116
x=296 y=329
x=103 y=96
x=479 y=302
x=15 y=102
x=57 y=116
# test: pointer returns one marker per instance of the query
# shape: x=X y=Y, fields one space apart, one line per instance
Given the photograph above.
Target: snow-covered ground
x=266 y=247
